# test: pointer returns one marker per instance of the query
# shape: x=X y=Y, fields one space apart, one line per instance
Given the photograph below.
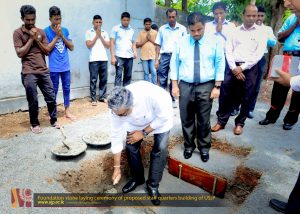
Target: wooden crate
x=199 y=177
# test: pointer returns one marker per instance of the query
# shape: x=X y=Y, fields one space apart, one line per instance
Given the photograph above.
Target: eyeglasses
x=124 y=114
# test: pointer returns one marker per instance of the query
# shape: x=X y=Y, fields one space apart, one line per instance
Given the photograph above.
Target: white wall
x=77 y=17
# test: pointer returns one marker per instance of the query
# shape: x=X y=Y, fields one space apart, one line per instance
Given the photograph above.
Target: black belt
x=239 y=63
x=198 y=83
x=167 y=54
x=292 y=53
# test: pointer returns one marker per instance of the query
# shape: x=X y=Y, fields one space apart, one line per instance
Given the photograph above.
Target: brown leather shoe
x=238 y=130
x=217 y=128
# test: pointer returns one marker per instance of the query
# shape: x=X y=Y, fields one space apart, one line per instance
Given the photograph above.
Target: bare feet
x=69 y=115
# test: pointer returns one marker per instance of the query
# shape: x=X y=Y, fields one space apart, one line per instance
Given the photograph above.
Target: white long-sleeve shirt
x=246 y=45
x=152 y=106
x=295 y=83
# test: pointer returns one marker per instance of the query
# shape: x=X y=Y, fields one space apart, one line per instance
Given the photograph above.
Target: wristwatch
x=217 y=86
x=144 y=133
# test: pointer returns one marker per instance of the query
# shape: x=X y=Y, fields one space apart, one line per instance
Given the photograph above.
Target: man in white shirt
x=123 y=50
x=97 y=40
x=271 y=42
x=168 y=36
x=243 y=51
x=139 y=114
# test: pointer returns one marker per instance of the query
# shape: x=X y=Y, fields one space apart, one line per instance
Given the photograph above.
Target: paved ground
x=27 y=163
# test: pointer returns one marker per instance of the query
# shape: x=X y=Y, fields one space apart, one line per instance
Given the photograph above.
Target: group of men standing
x=216 y=60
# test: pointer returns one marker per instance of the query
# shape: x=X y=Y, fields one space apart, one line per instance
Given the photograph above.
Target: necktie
x=196 y=63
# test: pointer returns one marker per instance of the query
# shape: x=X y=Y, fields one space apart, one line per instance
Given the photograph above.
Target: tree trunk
x=168 y=3
x=184 y=5
x=276 y=23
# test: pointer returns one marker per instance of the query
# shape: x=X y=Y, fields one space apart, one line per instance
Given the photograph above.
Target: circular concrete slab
x=97 y=139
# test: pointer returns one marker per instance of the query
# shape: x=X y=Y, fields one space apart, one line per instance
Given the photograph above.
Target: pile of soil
x=244 y=182
x=229 y=148
x=94 y=176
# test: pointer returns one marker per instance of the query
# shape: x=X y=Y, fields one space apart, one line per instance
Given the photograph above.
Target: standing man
x=59 y=42
x=123 y=50
x=271 y=42
x=166 y=40
x=198 y=64
x=220 y=26
x=289 y=34
x=31 y=46
x=145 y=41
x=224 y=29
x=139 y=114
x=293 y=204
x=243 y=51
x=97 y=41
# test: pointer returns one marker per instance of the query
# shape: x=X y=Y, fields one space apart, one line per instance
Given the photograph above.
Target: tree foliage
x=235 y=7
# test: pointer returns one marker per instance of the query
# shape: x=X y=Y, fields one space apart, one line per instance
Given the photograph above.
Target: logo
x=21 y=197
x=60 y=45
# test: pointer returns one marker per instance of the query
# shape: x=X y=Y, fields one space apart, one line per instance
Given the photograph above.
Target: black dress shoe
x=187 y=153
x=265 y=122
x=154 y=194
x=131 y=185
x=287 y=126
x=234 y=112
x=204 y=156
x=277 y=205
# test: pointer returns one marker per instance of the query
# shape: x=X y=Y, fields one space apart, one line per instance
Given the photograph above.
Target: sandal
x=56 y=125
x=36 y=129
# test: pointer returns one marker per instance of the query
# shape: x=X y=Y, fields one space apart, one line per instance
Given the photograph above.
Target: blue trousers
x=66 y=81
x=163 y=71
x=149 y=69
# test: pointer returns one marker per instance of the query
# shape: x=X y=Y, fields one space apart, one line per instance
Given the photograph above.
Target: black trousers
x=123 y=64
x=158 y=159
x=43 y=81
x=293 y=205
x=195 y=108
x=230 y=86
x=98 y=68
x=278 y=98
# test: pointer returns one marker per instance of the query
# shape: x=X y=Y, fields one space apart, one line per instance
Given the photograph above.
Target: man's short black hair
x=125 y=15
x=147 y=20
x=154 y=27
x=219 y=5
x=261 y=9
x=27 y=9
x=194 y=18
x=171 y=10
x=54 y=11
x=97 y=17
